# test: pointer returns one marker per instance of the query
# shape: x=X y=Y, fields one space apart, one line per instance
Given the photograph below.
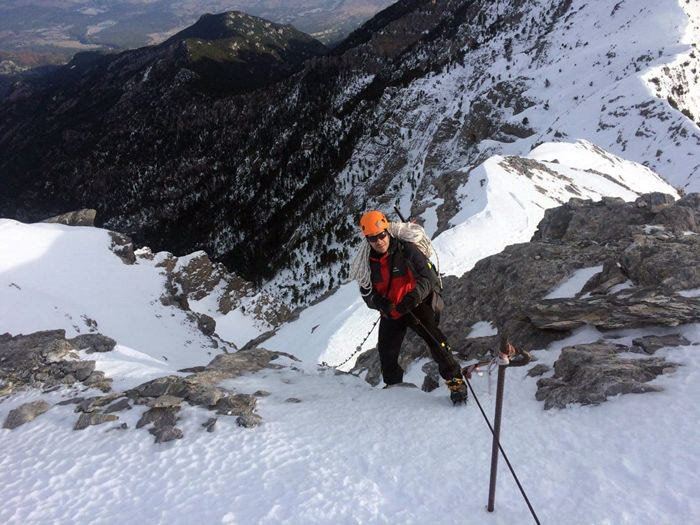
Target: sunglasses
x=378 y=237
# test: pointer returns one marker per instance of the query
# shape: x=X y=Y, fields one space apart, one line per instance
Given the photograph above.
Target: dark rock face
x=628 y=239
x=589 y=374
x=25 y=413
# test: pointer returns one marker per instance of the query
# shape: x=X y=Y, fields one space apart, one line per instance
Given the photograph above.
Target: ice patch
x=483 y=329
x=573 y=285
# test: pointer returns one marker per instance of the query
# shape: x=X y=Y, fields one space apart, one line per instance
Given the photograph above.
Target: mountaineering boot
x=458 y=390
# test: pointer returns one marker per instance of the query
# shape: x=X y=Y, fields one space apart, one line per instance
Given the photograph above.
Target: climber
x=397 y=278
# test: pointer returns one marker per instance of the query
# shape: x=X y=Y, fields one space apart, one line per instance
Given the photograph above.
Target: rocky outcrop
x=25 y=413
x=625 y=309
x=194 y=277
x=93 y=343
x=648 y=251
x=84 y=217
x=589 y=374
x=47 y=360
x=123 y=247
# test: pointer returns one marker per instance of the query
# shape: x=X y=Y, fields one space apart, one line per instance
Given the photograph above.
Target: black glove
x=408 y=303
x=385 y=305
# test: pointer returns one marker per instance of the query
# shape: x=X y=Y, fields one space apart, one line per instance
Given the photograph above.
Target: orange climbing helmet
x=373 y=222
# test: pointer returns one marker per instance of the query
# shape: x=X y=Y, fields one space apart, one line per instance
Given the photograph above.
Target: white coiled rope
x=405 y=231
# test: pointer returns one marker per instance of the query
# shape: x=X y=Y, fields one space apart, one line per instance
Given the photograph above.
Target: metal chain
x=357 y=351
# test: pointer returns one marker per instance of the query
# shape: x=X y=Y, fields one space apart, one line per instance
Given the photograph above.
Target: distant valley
x=36 y=32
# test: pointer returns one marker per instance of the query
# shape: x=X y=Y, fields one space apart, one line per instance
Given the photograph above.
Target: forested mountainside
x=269 y=177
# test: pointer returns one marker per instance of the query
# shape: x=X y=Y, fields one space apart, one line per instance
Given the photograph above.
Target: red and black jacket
x=403 y=275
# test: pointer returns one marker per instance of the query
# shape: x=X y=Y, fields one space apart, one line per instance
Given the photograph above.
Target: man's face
x=379 y=242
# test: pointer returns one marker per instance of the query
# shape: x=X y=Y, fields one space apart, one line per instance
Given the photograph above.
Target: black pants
x=392 y=332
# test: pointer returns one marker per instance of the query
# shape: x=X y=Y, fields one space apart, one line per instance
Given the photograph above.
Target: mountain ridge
x=401 y=118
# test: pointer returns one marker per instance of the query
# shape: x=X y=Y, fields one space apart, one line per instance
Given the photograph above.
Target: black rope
x=503 y=453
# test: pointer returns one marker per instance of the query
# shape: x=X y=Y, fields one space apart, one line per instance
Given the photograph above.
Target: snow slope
x=54 y=276
x=347 y=453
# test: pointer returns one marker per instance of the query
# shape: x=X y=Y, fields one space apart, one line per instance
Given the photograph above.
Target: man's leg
x=435 y=339
x=391 y=334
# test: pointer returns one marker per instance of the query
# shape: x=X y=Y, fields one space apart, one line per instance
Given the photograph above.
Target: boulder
x=165 y=401
x=45 y=360
x=25 y=413
x=123 y=247
x=122 y=404
x=236 y=405
x=206 y=324
x=209 y=424
x=173 y=385
x=160 y=417
x=248 y=420
x=243 y=362
x=166 y=433
x=93 y=343
x=538 y=370
x=651 y=343
x=84 y=217
x=93 y=404
x=590 y=373
x=93 y=418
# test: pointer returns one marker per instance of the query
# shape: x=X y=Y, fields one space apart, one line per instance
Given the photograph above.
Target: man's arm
x=425 y=276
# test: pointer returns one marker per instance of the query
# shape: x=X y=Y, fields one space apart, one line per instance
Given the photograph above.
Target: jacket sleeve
x=368 y=297
x=426 y=278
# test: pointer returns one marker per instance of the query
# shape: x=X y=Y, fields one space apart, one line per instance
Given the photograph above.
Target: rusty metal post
x=496 y=435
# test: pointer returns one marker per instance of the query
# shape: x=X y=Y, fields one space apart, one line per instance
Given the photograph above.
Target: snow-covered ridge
x=505 y=198
x=586 y=75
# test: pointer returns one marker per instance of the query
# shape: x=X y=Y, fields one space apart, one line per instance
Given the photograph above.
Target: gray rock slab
x=84 y=217
x=94 y=343
x=25 y=413
x=122 y=404
x=165 y=401
x=538 y=370
x=651 y=343
x=93 y=418
x=160 y=417
x=248 y=420
x=209 y=424
x=590 y=373
x=236 y=405
x=173 y=385
x=92 y=404
x=166 y=433
x=625 y=309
